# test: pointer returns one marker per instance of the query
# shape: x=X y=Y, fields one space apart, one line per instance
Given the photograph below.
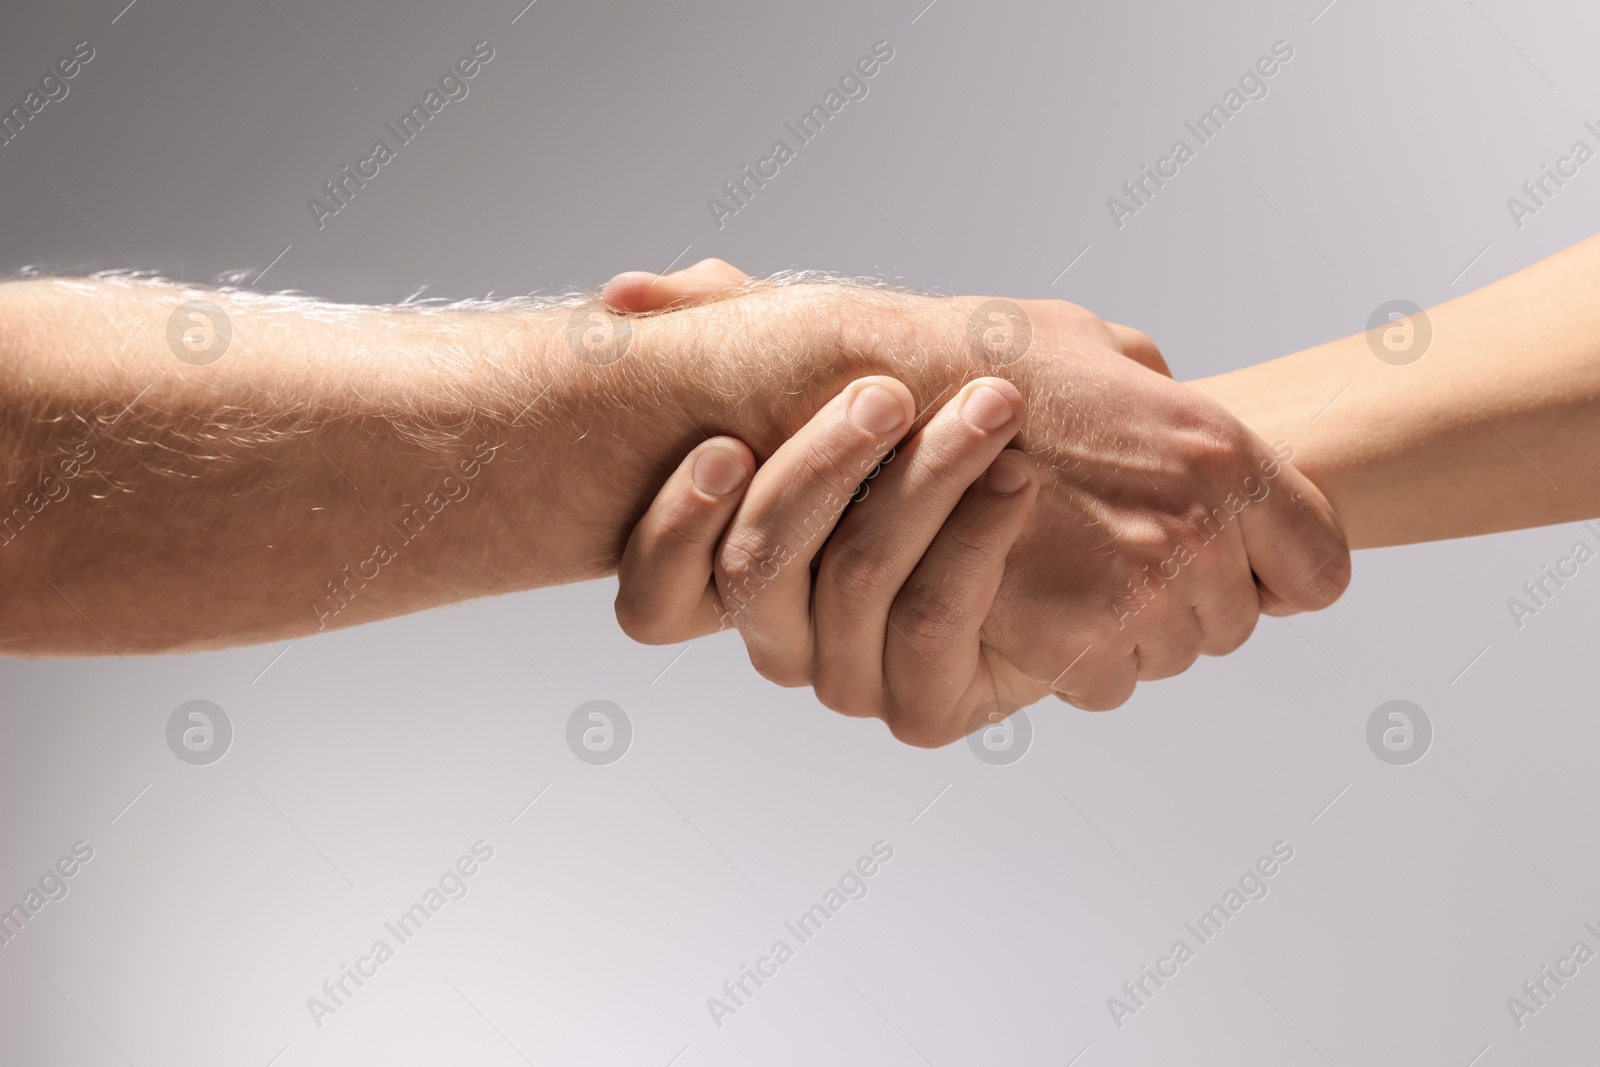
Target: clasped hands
x=1068 y=520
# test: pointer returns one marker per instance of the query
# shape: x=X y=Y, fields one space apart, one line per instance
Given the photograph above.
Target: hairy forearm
x=336 y=464
x=1494 y=428
x=340 y=464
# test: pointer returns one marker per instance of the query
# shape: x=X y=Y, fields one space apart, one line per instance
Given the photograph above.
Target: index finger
x=797 y=497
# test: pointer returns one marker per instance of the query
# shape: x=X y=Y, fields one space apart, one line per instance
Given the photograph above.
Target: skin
x=1494 y=428
x=895 y=626
x=937 y=522
x=1449 y=442
x=957 y=500
x=224 y=502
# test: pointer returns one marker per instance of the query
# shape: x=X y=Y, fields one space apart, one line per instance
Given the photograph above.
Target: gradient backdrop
x=1019 y=897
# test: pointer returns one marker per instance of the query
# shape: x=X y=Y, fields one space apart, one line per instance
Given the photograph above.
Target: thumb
x=640 y=291
x=1297 y=547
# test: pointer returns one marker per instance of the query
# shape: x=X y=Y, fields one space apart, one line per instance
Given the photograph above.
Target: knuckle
x=1211 y=441
x=1229 y=620
x=684 y=526
x=919 y=729
x=823 y=485
x=644 y=622
x=1328 y=583
x=750 y=556
x=1177 y=659
x=1139 y=337
x=1108 y=701
x=1070 y=310
x=925 y=613
x=940 y=450
x=943 y=467
x=1113 y=701
x=1240 y=627
x=1145 y=545
x=1101 y=695
x=1145 y=538
x=818 y=464
x=1229 y=645
x=856 y=572
x=778 y=670
x=1199 y=523
x=975 y=539
x=1178 y=548
x=835 y=695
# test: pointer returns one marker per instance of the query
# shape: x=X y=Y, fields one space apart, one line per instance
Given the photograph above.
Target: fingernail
x=877 y=411
x=1006 y=478
x=715 y=474
x=986 y=409
x=632 y=277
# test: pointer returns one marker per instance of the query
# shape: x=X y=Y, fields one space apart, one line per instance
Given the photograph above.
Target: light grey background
x=365 y=762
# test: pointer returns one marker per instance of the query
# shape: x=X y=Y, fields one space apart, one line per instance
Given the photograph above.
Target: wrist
x=620 y=401
x=1307 y=401
x=760 y=365
x=575 y=439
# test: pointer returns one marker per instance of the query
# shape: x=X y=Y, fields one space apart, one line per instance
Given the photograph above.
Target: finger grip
x=664 y=590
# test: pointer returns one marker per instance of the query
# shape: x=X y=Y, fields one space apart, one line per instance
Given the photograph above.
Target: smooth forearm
x=1494 y=428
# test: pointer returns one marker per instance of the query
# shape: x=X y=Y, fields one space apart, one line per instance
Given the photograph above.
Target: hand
x=942 y=510
x=1128 y=579
x=640 y=292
